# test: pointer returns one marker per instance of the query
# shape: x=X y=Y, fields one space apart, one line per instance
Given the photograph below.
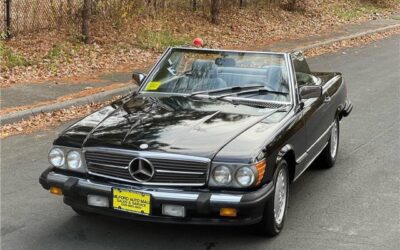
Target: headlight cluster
x=233 y=175
x=64 y=158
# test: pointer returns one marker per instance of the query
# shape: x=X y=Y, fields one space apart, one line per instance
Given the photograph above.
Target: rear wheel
x=329 y=154
x=276 y=206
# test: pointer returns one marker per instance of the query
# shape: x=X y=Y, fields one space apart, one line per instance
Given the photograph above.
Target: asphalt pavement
x=355 y=205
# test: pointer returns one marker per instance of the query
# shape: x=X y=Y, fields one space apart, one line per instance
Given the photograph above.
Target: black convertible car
x=209 y=137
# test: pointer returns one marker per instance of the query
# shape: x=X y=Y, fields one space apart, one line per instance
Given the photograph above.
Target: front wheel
x=276 y=206
x=328 y=155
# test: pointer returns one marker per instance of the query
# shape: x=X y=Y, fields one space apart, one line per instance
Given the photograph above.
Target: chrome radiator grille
x=167 y=171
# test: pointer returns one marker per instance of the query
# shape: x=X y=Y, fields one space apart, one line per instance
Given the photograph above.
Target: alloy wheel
x=334 y=140
x=280 y=196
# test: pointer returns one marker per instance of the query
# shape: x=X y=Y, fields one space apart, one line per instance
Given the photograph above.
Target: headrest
x=225 y=62
x=204 y=68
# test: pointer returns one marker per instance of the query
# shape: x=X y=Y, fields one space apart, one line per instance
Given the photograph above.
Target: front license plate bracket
x=131 y=201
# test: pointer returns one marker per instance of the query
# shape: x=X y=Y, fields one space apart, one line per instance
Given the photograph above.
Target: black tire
x=269 y=225
x=326 y=159
x=81 y=212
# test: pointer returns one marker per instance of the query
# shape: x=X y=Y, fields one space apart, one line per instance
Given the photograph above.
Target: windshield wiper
x=261 y=90
x=235 y=88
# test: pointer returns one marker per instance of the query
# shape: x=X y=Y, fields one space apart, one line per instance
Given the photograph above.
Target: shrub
x=10 y=59
x=158 y=40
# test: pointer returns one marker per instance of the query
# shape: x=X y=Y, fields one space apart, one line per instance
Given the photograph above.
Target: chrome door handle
x=327 y=99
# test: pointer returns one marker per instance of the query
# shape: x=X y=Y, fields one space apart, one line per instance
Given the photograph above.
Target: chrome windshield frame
x=166 y=54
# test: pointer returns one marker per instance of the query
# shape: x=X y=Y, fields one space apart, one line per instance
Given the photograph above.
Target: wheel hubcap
x=280 y=196
x=334 y=140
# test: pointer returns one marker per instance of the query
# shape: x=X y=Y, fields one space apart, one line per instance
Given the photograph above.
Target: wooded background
x=24 y=16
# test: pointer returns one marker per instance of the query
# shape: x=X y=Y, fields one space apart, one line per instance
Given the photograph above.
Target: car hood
x=175 y=124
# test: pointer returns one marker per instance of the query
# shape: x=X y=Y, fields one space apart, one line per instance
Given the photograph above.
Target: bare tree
x=215 y=7
x=86 y=14
x=194 y=5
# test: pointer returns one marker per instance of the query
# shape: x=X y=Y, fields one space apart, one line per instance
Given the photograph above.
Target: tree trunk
x=194 y=5
x=215 y=6
x=86 y=13
x=7 y=16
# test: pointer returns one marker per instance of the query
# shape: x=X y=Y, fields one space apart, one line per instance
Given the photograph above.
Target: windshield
x=188 y=71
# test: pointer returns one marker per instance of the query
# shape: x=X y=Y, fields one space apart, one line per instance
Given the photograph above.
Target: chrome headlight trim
x=222 y=170
x=66 y=152
x=74 y=160
x=242 y=171
x=233 y=167
x=53 y=153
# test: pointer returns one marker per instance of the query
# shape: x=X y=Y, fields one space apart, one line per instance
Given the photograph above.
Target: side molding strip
x=303 y=156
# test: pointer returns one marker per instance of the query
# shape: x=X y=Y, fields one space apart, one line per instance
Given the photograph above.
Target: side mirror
x=138 y=77
x=307 y=92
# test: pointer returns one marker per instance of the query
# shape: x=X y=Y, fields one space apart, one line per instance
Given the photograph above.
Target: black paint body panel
x=215 y=129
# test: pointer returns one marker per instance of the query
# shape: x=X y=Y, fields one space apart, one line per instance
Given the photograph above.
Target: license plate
x=131 y=201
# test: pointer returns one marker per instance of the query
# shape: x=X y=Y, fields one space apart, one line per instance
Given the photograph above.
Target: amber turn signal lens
x=56 y=190
x=228 y=212
x=260 y=166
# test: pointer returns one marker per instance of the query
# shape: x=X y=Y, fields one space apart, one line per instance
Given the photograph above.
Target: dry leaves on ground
x=355 y=42
x=56 y=54
x=49 y=119
x=83 y=93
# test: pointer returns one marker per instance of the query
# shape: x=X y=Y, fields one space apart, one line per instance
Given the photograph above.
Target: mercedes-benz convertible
x=208 y=137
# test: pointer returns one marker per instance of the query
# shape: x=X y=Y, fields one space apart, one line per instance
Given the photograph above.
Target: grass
x=355 y=11
x=158 y=40
x=56 y=52
x=60 y=52
x=10 y=59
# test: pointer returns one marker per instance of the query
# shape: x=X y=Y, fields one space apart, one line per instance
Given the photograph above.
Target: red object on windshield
x=198 y=42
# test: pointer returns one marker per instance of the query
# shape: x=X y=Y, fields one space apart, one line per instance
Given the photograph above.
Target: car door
x=314 y=112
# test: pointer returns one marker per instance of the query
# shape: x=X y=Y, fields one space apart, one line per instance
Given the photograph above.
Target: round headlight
x=244 y=176
x=56 y=157
x=74 y=159
x=222 y=175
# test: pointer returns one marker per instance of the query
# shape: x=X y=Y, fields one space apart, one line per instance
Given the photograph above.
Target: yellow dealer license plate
x=131 y=201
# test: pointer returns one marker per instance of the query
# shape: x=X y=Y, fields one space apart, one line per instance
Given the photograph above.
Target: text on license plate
x=131 y=201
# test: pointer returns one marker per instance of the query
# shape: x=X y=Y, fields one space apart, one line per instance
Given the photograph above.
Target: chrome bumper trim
x=158 y=193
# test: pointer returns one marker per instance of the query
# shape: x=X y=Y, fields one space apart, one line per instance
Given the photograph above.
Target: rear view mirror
x=138 y=77
x=307 y=92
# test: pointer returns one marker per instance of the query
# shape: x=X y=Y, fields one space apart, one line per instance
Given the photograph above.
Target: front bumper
x=348 y=107
x=202 y=206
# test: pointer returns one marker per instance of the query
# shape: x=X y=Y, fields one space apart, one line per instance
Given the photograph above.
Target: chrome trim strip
x=174 y=196
x=170 y=194
x=321 y=137
x=226 y=50
x=148 y=183
x=148 y=154
x=178 y=172
x=230 y=198
x=107 y=165
x=309 y=163
x=330 y=83
x=290 y=72
x=303 y=156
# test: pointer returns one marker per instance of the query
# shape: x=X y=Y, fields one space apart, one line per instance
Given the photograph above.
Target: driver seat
x=203 y=76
